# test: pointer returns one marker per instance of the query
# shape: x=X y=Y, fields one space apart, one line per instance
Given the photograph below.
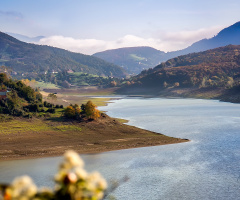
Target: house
x=3 y=94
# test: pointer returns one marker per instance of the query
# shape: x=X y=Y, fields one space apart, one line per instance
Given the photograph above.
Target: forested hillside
x=215 y=68
x=25 y=58
x=20 y=99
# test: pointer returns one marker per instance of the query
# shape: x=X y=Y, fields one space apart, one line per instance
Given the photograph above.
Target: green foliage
x=32 y=60
x=65 y=79
x=51 y=110
x=22 y=100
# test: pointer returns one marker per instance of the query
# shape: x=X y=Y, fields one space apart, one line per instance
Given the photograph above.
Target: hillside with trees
x=133 y=59
x=22 y=100
x=30 y=60
x=214 y=69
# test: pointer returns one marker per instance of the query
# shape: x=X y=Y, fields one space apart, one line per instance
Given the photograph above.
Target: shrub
x=33 y=107
x=70 y=112
x=51 y=110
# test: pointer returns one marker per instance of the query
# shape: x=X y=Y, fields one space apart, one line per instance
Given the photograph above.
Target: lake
x=208 y=167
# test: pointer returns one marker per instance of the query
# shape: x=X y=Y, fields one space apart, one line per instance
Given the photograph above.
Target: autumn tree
x=72 y=111
x=90 y=110
x=230 y=82
x=69 y=112
x=113 y=83
x=25 y=81
x=176 y=84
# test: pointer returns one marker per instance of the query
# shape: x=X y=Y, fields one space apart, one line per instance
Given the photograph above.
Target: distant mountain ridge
x=229 y=35
x=30 y=58
x=25 y=38
x=133 y=59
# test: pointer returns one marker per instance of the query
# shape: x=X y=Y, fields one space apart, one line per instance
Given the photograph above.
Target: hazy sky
x=89 y=26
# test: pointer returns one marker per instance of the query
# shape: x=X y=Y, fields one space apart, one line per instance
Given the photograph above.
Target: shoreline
x=99 y=151
x=105 y=135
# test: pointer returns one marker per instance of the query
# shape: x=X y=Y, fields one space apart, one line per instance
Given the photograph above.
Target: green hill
x=133 y=59
x=33 y=59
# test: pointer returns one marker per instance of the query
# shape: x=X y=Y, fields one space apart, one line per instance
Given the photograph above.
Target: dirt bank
x=22 y=139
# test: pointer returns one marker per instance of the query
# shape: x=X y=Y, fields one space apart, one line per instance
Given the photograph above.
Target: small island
x=31 y=128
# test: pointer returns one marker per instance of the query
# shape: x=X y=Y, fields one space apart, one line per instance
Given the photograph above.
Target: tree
x=52 y=96
x=203 y=83
x=3 y=78
x=176 y=84
x=72 y=111
x=25 y=81
x=230 y=82
x=113 y=83
x=90 y=110
x=69 y=112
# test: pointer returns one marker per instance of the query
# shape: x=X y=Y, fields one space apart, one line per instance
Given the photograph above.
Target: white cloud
x=86 y=46
x=182 y=39
x=164 y=41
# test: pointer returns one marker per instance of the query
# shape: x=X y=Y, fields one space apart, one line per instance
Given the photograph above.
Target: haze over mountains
x=134 y=60
x=25 y=38
x=30 y=58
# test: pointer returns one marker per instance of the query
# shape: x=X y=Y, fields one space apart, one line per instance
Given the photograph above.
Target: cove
x=208 y=167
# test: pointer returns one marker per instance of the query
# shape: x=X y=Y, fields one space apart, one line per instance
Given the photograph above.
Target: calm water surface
x=208 y=167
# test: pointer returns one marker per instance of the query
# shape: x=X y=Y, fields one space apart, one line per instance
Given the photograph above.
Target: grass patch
x=121 y=120
x=20 y=126
x=136 y=58
x=43 y=85
x=35 y=126
x=98 y=101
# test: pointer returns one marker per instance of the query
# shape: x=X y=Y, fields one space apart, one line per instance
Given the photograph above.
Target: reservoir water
x=208 y=167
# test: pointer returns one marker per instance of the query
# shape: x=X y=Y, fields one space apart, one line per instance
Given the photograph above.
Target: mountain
x=215 y=68
x=25 y=38
x=28 y=58
x=229 y=35
x=133 y=59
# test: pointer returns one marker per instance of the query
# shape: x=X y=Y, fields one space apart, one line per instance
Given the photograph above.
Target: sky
x=90 y=26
